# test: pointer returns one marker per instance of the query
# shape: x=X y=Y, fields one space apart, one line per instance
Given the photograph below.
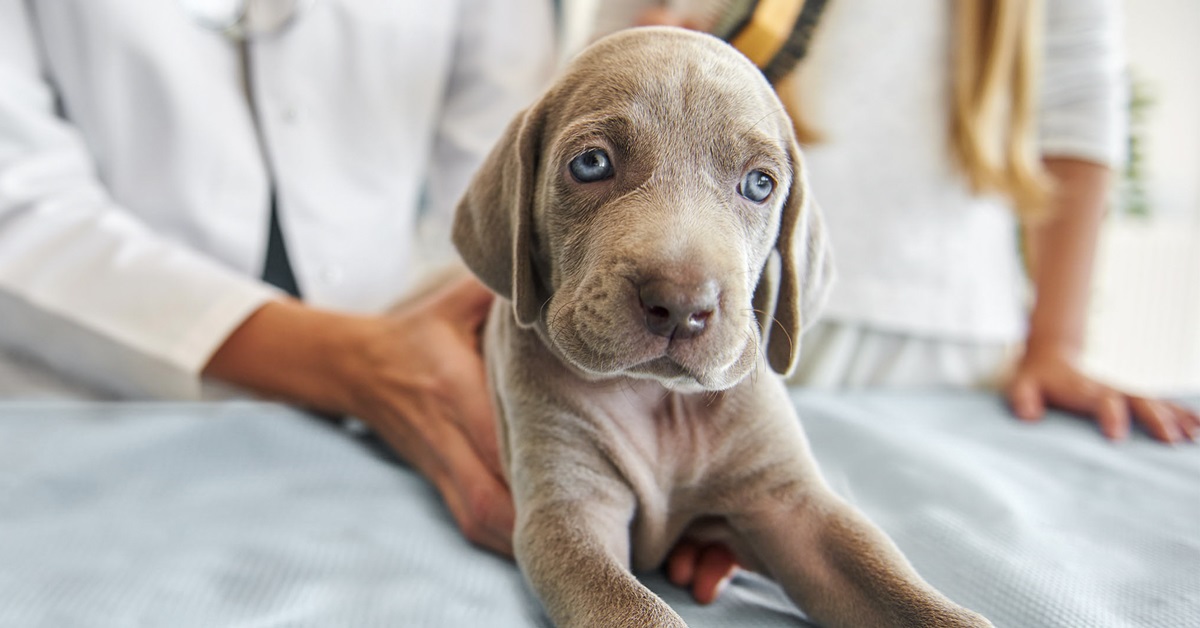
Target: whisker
x=791 y=345
x=772 y=113
x=758 y=352
x=627 y=388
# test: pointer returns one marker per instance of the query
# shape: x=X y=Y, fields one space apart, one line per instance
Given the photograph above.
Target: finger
x=480 y=504
x=1157 y=418
x=1025 y=399
x=476 y=422
x=468 y=301
x=483 y=508
x=1188 y=421
x=471 y=403
x=681 y=564
x=478 y=501
x=659 y=17
x=714 y=569
x=1112 y=414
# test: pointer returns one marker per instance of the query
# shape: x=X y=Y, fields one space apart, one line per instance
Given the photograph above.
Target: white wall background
x=1145 y=327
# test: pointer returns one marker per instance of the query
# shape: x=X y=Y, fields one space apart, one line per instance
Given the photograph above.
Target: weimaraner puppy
x=628 y=221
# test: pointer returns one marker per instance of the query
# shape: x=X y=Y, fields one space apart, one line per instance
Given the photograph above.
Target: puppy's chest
x=665 y=439
x=678 y=454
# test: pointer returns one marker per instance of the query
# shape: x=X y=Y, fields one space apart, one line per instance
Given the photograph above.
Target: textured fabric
x=252 y=514
x=1031 y=525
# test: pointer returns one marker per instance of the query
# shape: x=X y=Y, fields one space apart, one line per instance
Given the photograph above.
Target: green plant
x=1133 y=198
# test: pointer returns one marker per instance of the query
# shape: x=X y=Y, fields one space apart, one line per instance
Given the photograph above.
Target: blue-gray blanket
x=253 y=514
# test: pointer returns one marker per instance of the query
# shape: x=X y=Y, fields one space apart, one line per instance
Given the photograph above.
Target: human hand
x=414 y=375
x=1045 y=378
x=704 y=568
x=661 y=16
x=423 y=389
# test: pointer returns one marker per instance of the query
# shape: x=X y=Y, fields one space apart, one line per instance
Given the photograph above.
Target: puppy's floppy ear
x=794 y=286
x=493 y=225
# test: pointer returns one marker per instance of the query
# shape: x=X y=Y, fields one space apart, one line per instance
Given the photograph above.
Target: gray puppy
x=628 y=220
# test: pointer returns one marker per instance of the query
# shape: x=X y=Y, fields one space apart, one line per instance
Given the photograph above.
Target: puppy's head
x=632 y=213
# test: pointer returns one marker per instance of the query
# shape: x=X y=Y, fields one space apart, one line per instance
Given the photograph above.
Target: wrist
x=1046 y=345
x=295 y=353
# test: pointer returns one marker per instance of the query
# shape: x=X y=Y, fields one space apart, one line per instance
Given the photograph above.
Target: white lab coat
x=135 y=188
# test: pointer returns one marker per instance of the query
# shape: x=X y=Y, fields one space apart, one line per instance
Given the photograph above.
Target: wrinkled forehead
x=672 y=79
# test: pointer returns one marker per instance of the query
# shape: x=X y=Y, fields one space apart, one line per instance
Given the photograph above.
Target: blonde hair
x=997 y=65
x=993 y=122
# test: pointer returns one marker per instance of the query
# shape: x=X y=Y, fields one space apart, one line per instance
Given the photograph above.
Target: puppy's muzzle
x=678 y=310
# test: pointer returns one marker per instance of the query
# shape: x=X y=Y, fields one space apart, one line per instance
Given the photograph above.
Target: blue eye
x=756 y=186
x=592 y=165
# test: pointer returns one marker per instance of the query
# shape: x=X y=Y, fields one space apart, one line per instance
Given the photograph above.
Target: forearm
x=293 y=352
x=1061 y=253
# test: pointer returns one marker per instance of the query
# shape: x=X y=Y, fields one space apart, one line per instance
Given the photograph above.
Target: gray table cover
x=254 y=514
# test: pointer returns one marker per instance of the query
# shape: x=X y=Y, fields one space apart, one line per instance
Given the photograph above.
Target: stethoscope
x=243 y=20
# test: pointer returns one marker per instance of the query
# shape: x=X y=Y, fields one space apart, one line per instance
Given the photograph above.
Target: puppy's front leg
x=579 y=570
x=841 y=569
x=572 y=543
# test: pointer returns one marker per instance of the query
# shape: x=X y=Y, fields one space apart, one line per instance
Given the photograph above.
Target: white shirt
x=135 y=188
x=916 y=252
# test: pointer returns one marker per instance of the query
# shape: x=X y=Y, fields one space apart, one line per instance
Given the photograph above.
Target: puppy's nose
x=676 y=310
